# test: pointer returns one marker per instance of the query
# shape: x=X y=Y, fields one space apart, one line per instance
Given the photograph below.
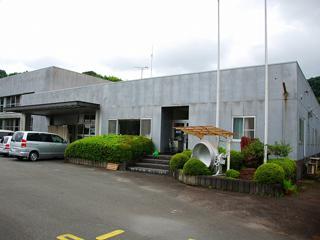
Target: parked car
x=5 y=133
x=37 y=145
x=5 y=145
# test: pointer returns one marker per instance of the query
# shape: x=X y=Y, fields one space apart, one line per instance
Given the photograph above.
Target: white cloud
x=111 y=37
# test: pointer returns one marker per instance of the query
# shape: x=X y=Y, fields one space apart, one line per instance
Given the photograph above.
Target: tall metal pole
x=151 y=61
x=218 y=72
x=266 y=87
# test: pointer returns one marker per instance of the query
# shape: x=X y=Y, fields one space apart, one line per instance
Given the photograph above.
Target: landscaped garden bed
x=248 y=173
x=229 y=184
x=98 y=151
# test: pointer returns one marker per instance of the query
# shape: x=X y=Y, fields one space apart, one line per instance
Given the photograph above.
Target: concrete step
x=155 y=160
x=149 y=170
x=161 y=156
x=152 y=165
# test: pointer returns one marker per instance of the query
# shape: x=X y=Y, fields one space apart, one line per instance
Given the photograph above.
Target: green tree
x=3 y=73
x=315 y=85
x=109 y=78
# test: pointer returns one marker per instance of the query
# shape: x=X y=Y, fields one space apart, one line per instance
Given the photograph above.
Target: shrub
x=236 y=159
x=222 y=150
x=231 y=173
x=253 y=154
x=110 y=148
x=288 y=165
x=269 y=173
x=289 y=187
x=245 y=141
x=177 y=161
x=279 y=149
x=195 y=167
x=188 y=153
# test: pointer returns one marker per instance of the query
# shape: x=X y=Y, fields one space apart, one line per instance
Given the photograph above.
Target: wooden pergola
x=201 y=131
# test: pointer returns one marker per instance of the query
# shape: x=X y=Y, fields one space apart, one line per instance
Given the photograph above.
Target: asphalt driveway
x=47 y=199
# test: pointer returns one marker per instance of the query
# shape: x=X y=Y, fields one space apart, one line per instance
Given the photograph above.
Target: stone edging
x=233 y=185
x=97 y=164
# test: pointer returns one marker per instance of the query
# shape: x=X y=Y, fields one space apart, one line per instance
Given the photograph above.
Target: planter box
x=97 y=164
x=232 y=185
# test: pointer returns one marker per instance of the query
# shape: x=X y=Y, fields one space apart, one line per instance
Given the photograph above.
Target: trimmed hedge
x=236 y=160
x=288 y=165
x=231 y=173
x=195 y=167
x=110 y=148
x=269 y=173
x=177 y=161
x=187 y=152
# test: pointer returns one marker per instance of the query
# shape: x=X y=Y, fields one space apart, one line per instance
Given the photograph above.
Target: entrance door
x=179 y=139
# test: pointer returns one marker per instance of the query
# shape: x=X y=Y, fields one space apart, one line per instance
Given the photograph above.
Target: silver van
x=37 y=145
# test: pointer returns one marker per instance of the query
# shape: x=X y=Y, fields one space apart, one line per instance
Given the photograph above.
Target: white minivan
x=37 y=145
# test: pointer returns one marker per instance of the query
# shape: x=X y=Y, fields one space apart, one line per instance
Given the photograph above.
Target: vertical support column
x=22 y=122
x=228 y=152
x=98 y=123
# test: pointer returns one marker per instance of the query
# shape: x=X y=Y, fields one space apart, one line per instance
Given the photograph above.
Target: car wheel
x=33 y=156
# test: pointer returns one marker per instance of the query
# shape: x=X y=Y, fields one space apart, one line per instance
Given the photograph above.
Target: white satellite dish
x=206 y=152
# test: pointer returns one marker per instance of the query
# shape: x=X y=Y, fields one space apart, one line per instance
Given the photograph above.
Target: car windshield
x=6 y=140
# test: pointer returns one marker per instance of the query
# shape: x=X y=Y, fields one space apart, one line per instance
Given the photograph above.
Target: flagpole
x=218 y=71
x=266 y=87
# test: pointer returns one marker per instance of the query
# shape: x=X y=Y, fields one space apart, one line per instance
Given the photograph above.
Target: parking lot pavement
x=54 y=200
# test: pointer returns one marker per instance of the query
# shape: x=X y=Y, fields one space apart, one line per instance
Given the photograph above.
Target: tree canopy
x=3 y=73
x=315 y=85
x=109 y=78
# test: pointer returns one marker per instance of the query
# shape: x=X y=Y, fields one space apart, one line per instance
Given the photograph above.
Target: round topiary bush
x=288 y=165
x=188 y=153
x=269 y=173
x=231 y=173
x=177 y=161
x=195 y=167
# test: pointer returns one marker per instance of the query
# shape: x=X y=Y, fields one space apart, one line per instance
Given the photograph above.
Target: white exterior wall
x=242 y=94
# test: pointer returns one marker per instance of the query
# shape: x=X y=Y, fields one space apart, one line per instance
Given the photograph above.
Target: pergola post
x=228 y=152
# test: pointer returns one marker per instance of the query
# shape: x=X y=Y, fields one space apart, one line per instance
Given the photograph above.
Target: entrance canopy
x=201 y=131
x=58 y=108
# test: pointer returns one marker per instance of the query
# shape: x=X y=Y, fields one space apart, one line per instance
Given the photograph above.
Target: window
x=34 y=137
x=112 y=126
x=129 y=127
x=87 y=126
x=145 y=129
x=1 y=104
x=17 y=137
x=45 y=138
x=301 y=130
x=243 y=126
x=12 y=124
x=57 y=139
x=12 y=101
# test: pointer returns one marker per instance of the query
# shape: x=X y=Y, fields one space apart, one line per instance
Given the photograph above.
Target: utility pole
x=151 y=61
x=266 y=87
x=218 y=72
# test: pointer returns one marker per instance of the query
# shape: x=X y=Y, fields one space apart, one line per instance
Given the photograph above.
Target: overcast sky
x=112 y=37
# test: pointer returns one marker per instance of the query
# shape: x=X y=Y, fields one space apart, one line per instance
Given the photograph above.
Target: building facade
x=76 y=106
